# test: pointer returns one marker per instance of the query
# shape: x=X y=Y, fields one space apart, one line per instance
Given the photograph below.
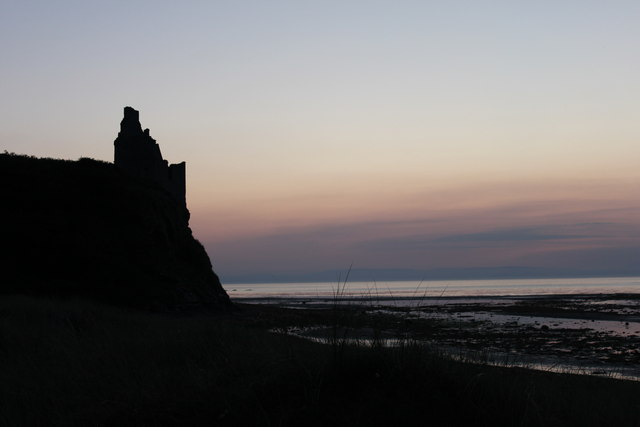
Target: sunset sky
x=413 y=135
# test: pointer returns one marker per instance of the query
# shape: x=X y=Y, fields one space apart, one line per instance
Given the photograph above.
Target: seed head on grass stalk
x=338 y=343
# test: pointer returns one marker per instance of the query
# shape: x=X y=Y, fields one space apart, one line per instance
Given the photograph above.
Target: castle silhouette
x=139 y=154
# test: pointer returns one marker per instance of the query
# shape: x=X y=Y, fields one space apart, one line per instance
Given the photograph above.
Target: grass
x=75 y=363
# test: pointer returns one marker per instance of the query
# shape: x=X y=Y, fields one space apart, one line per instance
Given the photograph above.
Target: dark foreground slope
x=77 y=363
x=87 y=229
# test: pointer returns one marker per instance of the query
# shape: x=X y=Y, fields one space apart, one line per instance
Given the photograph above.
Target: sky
x=385 y=135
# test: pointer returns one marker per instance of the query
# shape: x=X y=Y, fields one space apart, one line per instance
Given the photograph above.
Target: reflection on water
x=550 y=363
x=591 y=329
x=621 y=327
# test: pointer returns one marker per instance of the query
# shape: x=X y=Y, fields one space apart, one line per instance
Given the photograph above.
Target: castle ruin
x=139 y=154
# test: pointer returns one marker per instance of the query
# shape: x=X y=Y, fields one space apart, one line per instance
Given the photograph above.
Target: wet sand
x=587 y=334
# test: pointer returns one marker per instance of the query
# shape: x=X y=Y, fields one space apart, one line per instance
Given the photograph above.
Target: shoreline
x=593 y=334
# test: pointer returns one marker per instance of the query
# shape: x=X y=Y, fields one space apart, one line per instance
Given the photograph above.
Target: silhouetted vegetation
x=86 y=228
x=74 y=363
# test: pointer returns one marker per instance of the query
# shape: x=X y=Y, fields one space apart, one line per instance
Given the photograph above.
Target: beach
x=583 y=333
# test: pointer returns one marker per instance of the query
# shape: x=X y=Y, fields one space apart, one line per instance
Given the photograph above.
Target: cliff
x=91 y=229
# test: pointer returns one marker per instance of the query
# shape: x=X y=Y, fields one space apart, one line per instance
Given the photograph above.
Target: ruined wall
x=177 y=181
x=138 y=153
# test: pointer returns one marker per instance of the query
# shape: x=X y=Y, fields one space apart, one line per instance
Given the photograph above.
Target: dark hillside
x=85 y=228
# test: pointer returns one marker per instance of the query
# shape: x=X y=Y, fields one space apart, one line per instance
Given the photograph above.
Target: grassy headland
x=86 y=228
x=77 y=363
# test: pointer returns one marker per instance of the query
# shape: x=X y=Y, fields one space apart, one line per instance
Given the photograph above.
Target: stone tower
x=139 y=154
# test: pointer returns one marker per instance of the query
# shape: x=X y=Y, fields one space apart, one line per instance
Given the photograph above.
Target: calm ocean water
x=439 y=288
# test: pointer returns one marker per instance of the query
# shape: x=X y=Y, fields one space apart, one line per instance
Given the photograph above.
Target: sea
x=432 y=290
